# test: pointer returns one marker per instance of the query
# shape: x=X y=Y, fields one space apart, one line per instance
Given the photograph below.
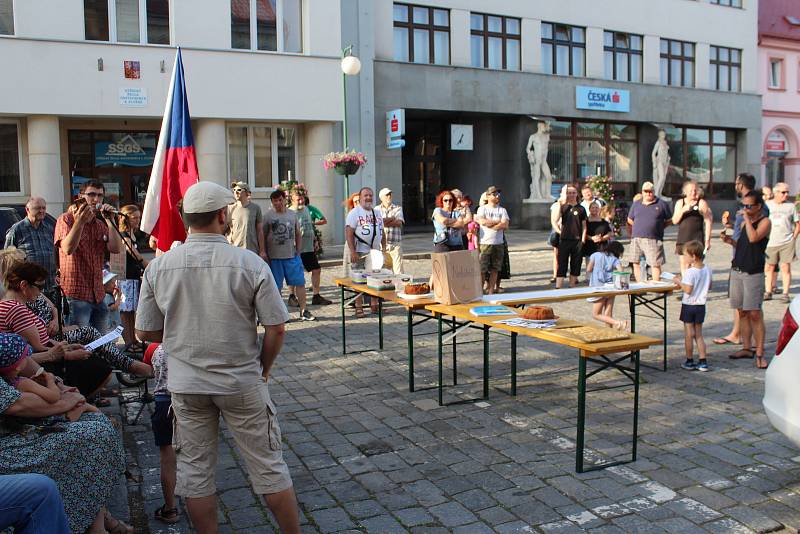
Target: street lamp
x=351 y=66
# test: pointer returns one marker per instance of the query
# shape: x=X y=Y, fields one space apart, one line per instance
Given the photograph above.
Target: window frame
x=280 y=45
x=683 y=58
x=570 y=44
x=782 y=74
x=729 y=65
x=112 y=26
x=728 y=3
x=13 y=22
x=22 y=191
x=251 y=159
x=431 y=28
x=685 y=144
x=614 y=49
x=503 y=35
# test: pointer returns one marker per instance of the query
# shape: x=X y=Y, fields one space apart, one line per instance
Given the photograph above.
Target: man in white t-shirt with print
x=781 y=245
x=493 y=220
x=364 y=232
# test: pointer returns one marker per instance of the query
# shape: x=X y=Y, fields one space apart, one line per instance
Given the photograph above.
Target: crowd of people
x=59 y=295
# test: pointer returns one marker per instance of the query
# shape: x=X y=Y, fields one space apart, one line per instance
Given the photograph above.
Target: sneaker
x=689 y=365
x=319 y=300
x=306 y=315
x=702 y=366
x=292 y=301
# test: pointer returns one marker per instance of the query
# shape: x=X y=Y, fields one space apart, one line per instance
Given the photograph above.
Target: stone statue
x=541 y=179
x=660 y=158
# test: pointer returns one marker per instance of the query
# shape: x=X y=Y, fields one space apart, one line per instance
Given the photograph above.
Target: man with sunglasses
x=648 y=217
x=83 y=236
x=244 y=218
x=781 y=246
x=747 y=276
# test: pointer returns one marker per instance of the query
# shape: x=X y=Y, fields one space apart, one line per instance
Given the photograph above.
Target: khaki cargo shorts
x=781 y=254
x=651 y=249
x=253 y=423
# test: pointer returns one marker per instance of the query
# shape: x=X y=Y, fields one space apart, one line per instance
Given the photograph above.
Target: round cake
x=538 y=313
x=417 y=289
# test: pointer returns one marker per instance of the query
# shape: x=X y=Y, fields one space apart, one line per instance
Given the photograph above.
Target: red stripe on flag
x=180 y=172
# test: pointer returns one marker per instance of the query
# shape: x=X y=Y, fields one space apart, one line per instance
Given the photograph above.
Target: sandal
x=742 y=354
x=724 y=340
x=359 y=313
x=761 y=362
x=115 y=526
x=167 y=515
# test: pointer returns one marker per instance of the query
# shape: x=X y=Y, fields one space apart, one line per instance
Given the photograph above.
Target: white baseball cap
x=108 y=276
x=383 y=192
x=205 y=197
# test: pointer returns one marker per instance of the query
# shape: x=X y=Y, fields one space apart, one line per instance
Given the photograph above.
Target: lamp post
x=351 y=66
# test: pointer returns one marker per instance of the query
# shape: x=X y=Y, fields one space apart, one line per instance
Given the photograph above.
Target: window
x=127 y=21
x=255 y=23
x=705 y=155
x=10 y=151
x=623 y=56
x=421 y=34
x=563 y=49
x=775 y=73
x=677 y=63
x=726 y=66
x=6 y=17
x=495 y=41
x=581 y=149
x=731 y=3
x=262 y=155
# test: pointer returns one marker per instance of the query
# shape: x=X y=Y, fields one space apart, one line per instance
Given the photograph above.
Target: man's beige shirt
x=206 y=295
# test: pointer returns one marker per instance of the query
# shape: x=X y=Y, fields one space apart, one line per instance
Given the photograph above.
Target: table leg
x=344 y=341
x=380 y=323
x=485 y=361
x=665 y=330
x=632 y=304
x=579 y=445
x=636 y=407
x=410 y=351
x=513 y=363
x=455 y=359
x=439 y=352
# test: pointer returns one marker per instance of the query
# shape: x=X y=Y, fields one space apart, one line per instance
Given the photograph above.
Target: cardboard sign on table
x=456 y=276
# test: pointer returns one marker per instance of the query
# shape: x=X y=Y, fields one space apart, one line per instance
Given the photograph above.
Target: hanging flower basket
x=345 y=163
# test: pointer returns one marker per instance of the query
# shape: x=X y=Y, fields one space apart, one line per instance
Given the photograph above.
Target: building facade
x=85 y=81
x=779 y=83
x=474 y=78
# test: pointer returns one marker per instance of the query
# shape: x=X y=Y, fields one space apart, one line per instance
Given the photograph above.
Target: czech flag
x=174 y=166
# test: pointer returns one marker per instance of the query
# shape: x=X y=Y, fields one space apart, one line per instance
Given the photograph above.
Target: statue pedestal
x=535 y=214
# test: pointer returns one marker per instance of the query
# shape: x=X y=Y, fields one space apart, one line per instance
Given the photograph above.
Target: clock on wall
x=460 y=137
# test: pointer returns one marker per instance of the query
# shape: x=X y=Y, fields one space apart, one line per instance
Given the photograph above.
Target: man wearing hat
x=393 y=228
x=244 y=218
x=201 y=301
x=493 y=220
x=648 y=217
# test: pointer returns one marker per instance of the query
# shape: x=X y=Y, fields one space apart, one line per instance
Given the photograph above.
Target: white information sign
x=133 y=97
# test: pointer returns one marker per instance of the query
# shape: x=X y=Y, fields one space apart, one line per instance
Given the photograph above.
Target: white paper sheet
x=526 y=323
x=107 y=338
x=525 y=296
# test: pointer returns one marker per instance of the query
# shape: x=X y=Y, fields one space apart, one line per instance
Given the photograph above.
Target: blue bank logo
x=602 y=99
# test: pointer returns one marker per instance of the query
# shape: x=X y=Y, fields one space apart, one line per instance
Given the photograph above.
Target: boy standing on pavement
x=307 y=254
x=494 y=221
x=284 y=240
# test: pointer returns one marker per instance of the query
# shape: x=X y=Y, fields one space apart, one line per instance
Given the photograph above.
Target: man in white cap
x=393 y=228
x=202 y=300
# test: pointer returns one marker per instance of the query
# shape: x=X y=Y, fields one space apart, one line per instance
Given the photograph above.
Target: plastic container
x=621 y=279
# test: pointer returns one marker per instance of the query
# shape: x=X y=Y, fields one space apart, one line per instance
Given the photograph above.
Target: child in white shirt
x=601 y=266
x=695 y=284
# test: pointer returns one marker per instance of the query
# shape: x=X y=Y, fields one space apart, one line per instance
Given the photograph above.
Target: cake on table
x=538 y=313
x=417 y=289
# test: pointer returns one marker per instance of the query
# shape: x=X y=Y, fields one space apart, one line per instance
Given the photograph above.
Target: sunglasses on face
x=495 y=194
x=37 y=285
x=749 y=206
x=238 y=190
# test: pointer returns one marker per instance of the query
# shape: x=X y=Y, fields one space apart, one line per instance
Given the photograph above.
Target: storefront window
x=623 y=161
x=10 y=181
x=262 y=156
x=707 y=156
x=6 y=17
x=591 y=158
x=559 y=158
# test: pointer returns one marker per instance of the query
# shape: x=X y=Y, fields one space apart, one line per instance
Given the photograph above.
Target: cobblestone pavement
x=368 y=456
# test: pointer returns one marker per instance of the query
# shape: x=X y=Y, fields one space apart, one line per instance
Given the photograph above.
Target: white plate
x=415 y=297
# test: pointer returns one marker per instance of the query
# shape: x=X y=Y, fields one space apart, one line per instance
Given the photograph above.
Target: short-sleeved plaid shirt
x=36 y=243
x=82 y=271
x=394 y=234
